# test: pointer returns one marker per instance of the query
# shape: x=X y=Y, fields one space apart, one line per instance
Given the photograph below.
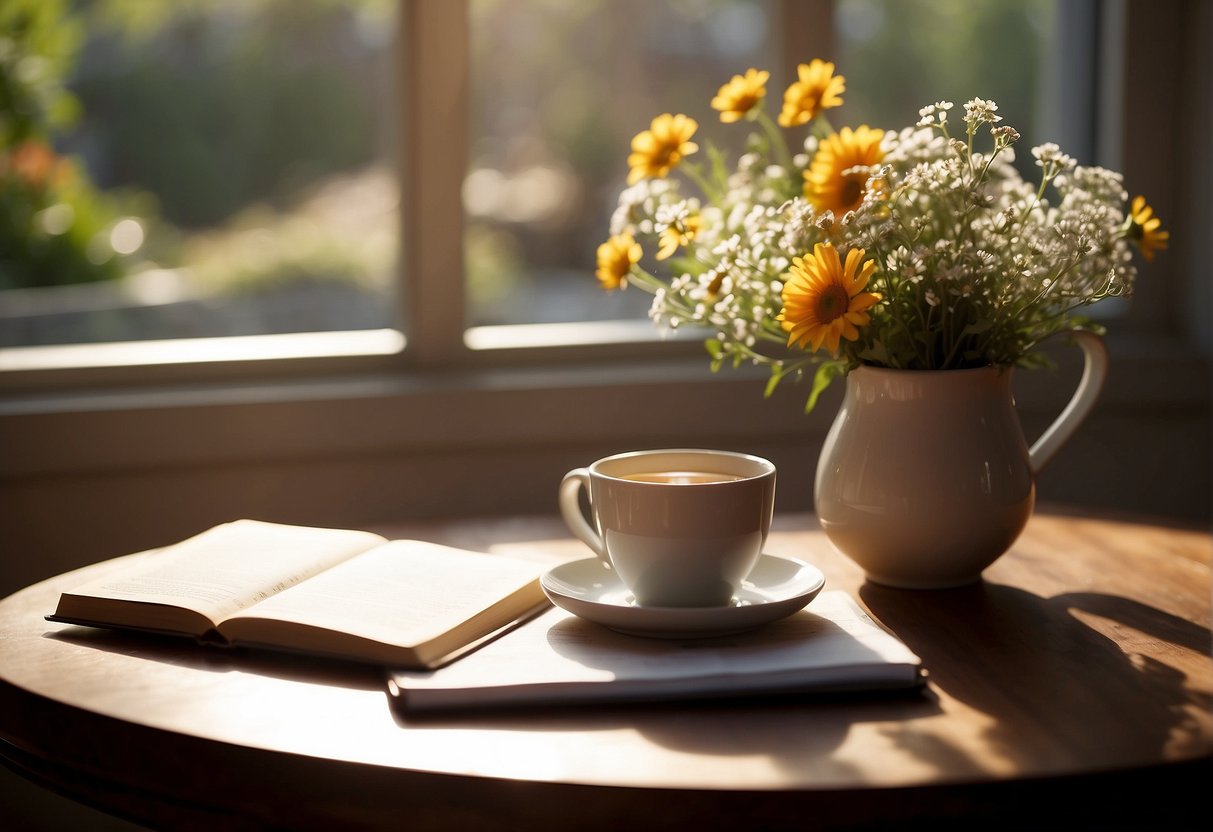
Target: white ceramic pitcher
x=925 y=478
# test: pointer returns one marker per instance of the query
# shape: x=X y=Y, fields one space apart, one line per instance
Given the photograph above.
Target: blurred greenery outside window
x=228 y=167
x=194 y=169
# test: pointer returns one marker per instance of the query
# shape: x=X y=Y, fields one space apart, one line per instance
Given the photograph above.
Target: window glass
x=194 y=169
x=901 y=55
x=559 y=89
x=225 y=167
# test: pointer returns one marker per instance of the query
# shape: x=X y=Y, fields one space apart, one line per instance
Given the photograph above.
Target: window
x=183 y=171
x=239 y=167
x=557 y=92
x=341 y=428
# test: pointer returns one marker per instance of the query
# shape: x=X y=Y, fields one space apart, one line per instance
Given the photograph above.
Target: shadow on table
x=1004 y=651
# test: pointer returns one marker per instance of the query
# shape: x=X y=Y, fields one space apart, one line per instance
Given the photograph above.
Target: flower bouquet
x=921 y=248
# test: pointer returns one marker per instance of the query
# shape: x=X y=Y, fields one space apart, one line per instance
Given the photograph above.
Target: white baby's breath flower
x=934 y=114
x=1004 y=135
x=1049 y=155
x=949 y=273
x=797 y=211
x=978 y=111
x=674 y=214
x=728 y=247
x=1100 y=184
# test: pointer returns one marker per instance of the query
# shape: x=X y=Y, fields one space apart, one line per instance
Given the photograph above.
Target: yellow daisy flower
x=1145 y=228
x=824 y=300
x=676 y=235
x=615 y=260
x=817 y=89
x=827 y=185
x=739 y=96
x=658 y=150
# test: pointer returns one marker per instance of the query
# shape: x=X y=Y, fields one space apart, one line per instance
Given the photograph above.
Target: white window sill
x=623 y=401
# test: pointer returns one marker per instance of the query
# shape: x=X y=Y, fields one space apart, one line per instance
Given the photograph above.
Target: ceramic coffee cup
x=680 y=527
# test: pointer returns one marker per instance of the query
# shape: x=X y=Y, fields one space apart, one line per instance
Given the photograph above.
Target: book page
x=404 y=593
x=231 y=566
x=557 y=655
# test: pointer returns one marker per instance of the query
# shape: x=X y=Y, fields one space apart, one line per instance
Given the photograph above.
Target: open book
x=349 y=594
x=557 y=658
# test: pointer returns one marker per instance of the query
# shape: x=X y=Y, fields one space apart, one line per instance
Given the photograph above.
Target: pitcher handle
x=1094 y=372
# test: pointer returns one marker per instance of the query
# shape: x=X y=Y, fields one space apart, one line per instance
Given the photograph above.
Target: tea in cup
x=680 y=527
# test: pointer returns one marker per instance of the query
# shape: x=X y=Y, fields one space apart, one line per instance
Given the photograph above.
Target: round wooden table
x=1070 y=689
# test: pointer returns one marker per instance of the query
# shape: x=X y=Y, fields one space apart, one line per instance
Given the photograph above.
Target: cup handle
x=1094 y=371
x=570 y=509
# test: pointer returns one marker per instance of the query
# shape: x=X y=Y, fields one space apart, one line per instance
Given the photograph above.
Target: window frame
x=556 y=392
x=433 y=123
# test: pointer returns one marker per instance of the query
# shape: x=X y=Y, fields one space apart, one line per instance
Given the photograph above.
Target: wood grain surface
x=1077 y=676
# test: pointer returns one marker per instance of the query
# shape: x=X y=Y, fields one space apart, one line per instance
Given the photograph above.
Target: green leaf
x=825 y=374
x=685 y=264
x=719 y=166
x=773 y=381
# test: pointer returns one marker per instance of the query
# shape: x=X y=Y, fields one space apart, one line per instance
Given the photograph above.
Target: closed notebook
x=558 y=658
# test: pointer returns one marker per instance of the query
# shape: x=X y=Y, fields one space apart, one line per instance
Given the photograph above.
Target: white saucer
x=776 y=588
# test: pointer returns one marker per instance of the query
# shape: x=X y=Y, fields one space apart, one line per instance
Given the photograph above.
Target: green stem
x=1045 y=177
x=779 y=144
x=969 y=158
x=768 y=332
x=756 y=356
x=821 y=127
x=956 y=341
x=707 y=188
x=929 y=354
x=643 y=279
